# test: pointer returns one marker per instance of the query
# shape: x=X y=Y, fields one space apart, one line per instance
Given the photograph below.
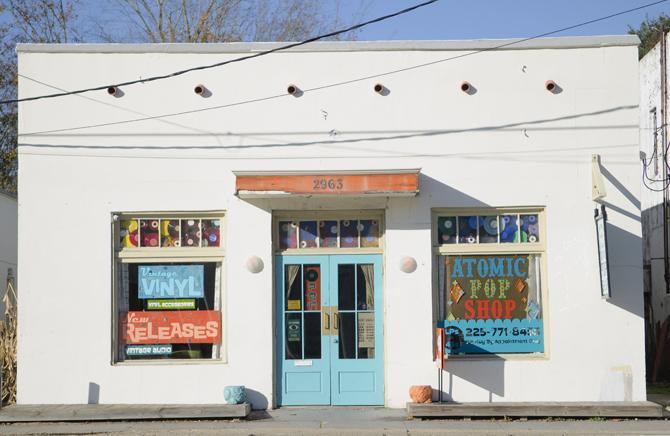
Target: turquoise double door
x=329 y=330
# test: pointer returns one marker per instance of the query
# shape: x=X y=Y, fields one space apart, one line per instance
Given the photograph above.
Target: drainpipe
x=664 y=134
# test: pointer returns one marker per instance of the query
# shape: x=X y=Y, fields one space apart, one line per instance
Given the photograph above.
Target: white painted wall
x=8 y=240
x=510 y=144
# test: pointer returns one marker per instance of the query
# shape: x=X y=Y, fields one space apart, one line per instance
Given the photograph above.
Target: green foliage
x=650 y=32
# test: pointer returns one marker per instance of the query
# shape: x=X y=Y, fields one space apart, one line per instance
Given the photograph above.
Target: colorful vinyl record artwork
x=529 y=228
x=190 y=233
x=348 y=233
x=128 y=233
x=446 y=230
x=369 y=230
x=508 y=228
x=288 y=234
x=170 y=233
x=308 y=232
x=467 y=229
x=488 y=229
x=328 y=234
x=149 y=233
x=211 y=233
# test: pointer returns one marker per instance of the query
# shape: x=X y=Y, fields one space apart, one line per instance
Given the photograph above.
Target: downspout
x=664 y=120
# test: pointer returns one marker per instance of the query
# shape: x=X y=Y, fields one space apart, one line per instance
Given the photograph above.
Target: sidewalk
x=347 y=420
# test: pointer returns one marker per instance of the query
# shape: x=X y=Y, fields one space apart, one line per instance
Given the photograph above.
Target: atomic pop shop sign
x=493 y=304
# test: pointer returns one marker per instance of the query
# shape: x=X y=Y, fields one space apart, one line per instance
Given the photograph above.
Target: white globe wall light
x=254 y=264
x=407 y=264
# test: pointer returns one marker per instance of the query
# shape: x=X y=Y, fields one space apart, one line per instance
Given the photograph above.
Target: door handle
x=327 y=315
x=337 y=321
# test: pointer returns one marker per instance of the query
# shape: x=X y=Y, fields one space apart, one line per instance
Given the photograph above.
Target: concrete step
x=120 y=412
x=640 y=409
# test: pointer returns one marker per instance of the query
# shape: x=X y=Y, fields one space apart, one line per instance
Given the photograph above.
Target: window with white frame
x=325 y=231
x=168 y=279
x=490 y=268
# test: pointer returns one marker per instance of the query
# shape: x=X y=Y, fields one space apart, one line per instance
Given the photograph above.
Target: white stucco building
x=654 y=195
x=307 y=244
x=8 y=236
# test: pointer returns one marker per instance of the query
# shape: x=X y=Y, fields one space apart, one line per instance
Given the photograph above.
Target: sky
x=476 y=19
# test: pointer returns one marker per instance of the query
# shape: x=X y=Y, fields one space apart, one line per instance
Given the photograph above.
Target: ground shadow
x=258 y=400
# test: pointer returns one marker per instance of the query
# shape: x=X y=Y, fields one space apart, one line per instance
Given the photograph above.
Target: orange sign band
x=331 y=184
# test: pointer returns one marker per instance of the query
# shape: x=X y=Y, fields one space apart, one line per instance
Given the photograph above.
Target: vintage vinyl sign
x=171 y=327
x=170 y=281
x=491 y=305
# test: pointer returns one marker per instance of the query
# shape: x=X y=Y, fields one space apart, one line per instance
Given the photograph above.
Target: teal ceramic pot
x=235 y=394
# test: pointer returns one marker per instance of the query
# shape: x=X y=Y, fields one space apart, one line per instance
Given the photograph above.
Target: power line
x=219 y=64
x=346 y=82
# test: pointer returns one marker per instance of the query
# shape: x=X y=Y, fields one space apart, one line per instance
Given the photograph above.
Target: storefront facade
x=307 y=244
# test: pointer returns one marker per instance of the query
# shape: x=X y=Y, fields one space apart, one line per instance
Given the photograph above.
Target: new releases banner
x=172 y=327
x=171 y=281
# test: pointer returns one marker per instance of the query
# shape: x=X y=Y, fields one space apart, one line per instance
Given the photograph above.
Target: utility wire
x=219 y=64
x=346 y=82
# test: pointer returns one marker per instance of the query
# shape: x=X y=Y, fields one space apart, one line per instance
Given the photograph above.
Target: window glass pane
x=190 y=232
x=288 y=233
x=488 y=229
x=293 y=287
x=307 y=234
x=348 y=233
x=328 y=234
x=509 y=230
x=128 y=233
x=169 y=310
x=366 y=287
x=347 y=335
x=446 y=230
x=366 y=335
x=211 y=233
x=170 y=233
x=312 y=287
x=369 y=233
x=467 y=229
x=313 y=335
x=149 y=233
x=492 y=302
x=346 y=287
x=293 y=339
x=530 y=231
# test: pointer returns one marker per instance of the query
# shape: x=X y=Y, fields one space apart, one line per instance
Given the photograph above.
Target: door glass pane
x=346 y=286
x=292 y=287
x=366 y=335
x=313 y=335
x=293 y=339
x=366 y=287
x=312 y=287
x=347 y=335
